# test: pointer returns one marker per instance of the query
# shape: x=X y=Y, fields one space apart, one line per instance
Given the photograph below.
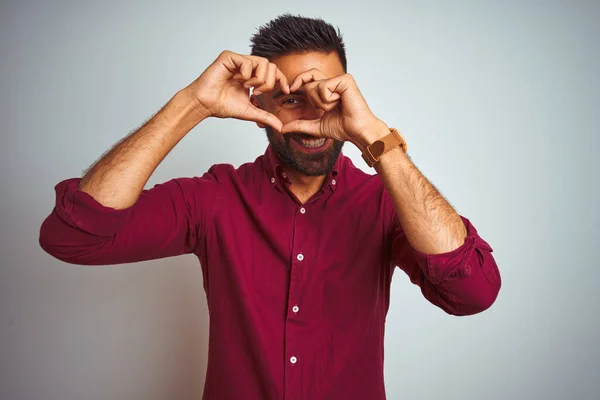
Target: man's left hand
x=346 y=116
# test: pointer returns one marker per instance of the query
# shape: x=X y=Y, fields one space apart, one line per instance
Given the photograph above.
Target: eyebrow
x=279 y=93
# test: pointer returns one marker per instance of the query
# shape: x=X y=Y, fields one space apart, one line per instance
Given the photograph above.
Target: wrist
x=191 y=105
x=373 y=132
x=179 y=116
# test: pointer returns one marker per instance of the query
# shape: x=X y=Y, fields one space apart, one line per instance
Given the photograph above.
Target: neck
x=303 y=186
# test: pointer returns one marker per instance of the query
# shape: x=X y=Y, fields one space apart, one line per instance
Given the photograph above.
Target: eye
x=290 y=102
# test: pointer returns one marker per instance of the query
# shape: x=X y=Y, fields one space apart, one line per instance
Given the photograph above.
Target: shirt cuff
x=439 y=267
x=82 y=211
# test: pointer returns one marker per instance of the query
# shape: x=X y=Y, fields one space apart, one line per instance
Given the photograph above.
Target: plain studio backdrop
x=499 y=102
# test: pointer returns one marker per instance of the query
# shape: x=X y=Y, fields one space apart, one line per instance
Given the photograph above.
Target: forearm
x=118 y=178
x=439 y=250
x=430 y=223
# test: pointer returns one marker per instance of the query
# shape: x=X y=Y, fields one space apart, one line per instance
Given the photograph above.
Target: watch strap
x=375 y=150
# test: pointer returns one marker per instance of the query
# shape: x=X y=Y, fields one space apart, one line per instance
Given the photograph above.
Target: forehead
x=293 y=64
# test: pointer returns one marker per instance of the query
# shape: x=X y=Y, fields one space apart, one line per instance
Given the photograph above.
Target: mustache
x=292 y=135
x=298 y=135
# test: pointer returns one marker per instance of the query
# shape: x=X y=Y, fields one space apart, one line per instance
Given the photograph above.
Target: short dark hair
x=289 y=34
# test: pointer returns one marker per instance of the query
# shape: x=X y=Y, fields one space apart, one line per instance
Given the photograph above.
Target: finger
x=261 y=68
x=283 y=82
x=311 y=75
x=329 y=91
x=339 y=84
x=255 y=114
x=329 y=106
x=324 y=106
x=231 y=61
x=312 y=127
x=246 y=69
x=320 y=97
x=326 y=94
x=269 y=80
x=238 y=65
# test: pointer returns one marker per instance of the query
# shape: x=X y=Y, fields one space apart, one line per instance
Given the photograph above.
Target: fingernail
x=256 y=92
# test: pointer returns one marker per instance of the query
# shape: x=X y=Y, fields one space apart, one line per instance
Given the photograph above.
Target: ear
x=257 y=103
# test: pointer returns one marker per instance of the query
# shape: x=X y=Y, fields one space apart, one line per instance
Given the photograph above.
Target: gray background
x=499 y=102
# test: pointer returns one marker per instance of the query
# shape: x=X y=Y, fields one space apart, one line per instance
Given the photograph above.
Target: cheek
x=289 y=114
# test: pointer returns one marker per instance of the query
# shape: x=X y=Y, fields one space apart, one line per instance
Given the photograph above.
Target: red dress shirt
x=297 y=293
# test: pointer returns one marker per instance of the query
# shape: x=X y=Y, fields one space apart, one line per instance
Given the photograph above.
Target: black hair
x=288 y=34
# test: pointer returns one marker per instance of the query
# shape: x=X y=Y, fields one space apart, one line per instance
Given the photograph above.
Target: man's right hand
x=222 y=91
x=223 y=88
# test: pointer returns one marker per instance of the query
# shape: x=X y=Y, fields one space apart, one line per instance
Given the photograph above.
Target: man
x=297 y=248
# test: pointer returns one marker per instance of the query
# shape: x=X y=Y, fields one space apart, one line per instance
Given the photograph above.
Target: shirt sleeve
x=165 y=221
x=464 y=281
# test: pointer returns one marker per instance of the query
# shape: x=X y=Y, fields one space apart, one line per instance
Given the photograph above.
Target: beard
x=315 y=164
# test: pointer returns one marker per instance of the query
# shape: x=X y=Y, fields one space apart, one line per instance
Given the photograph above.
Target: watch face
x=377 y=148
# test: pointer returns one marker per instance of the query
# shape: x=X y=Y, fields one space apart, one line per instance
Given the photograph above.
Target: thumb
x=312 y=127
x=255 y=114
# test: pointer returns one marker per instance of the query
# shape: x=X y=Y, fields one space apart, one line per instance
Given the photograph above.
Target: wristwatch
x=379 y=147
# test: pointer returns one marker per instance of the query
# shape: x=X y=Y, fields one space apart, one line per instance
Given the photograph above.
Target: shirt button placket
x=292 y=365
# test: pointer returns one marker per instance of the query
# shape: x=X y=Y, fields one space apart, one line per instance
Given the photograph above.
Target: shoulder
x=226 y=173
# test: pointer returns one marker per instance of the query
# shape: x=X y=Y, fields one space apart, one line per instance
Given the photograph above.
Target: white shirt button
x=295 y=309
x=272 y=180
x=293 y=360
x=333 y=182
x=300 y=257
x=302 y=210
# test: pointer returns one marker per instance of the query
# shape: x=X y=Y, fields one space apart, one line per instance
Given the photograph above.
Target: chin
x=307 y=161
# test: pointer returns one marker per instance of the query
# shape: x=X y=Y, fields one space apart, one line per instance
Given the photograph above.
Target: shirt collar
x=277 y=176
